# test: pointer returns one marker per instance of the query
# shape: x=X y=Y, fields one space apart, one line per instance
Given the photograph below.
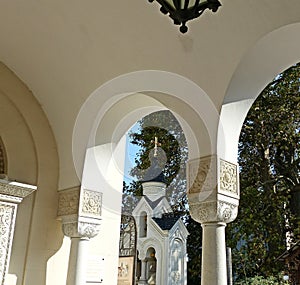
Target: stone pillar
x=213 y=193
x=11 y=194
x=80 y=213
x=143 y=278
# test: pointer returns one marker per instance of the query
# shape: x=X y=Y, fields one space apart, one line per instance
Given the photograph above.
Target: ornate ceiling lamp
x=182 y=11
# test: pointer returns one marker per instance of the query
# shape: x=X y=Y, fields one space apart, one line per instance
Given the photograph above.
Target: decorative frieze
x=68 y=202
x=80 y=229
x=9 y=189
x=7 y=223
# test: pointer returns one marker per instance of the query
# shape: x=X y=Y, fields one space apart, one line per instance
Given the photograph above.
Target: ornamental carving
x=14 y=190
x=91 y=203
x=227 y=212
x=68 y=202
x=216 y=211
x=202 y=174
x=81 y=229
x=7 y=219
x=228 y=177
x=204 y=212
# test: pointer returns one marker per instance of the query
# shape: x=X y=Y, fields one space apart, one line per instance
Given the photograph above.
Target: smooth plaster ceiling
x=64 y=50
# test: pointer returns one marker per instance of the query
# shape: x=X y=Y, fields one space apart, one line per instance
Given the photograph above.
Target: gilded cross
x=156 y=144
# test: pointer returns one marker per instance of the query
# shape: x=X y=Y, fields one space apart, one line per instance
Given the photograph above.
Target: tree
x=269 y=171
x=172 y=157
x=259 y=280
x=167 y=129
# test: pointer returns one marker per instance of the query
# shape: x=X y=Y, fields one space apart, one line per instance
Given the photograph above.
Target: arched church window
x=3 y=160
x=143 y=224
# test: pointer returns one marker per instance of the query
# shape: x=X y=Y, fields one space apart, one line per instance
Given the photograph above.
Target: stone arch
x=31 y=158
x=271 y=55
x=159 y=90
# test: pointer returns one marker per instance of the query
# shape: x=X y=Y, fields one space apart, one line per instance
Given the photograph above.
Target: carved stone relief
x=91 y=203
x=81 y=229
x=228 y=177
x=80 y=212
x=7 y=221
x=15 y=191
x=216 y=211
x=202 y=174
x=68 y=202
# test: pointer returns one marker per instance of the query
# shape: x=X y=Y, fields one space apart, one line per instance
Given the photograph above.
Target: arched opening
x=269 y=174
x=143 y=225
x=151 y=266
x=104 y=158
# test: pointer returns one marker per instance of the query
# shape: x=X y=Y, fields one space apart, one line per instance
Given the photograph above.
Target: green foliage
x=269 y=171
x=260 y=280
x=164 y=125
x=173 y=147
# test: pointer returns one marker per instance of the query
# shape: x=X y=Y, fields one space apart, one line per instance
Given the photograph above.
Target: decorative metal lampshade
x=182 y=11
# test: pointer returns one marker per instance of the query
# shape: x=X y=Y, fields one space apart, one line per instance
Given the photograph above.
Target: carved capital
x=80 y=212
x=224 y=211
x=202 y=174
x=211 y=175
x=68 y=202
x=81 y=229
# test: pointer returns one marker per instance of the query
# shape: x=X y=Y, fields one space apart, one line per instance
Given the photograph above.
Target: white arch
x=166 y=89
x=271 y=55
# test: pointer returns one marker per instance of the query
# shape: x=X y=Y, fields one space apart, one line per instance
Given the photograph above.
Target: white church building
x=161 y=238
x=75 y=76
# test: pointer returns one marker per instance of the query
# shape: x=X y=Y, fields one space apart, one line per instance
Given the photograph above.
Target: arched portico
x=31 y=158
x=99 y=145
x=123 y=101
x=271 y=55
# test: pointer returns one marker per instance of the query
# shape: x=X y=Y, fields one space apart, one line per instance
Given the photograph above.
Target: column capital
x=213 y=189
x=80 y=212
x=224 y=211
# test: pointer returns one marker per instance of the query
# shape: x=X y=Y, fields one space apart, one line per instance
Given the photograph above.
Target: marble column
x=143 y=278
x=80 y=213
x=213 y=193
x=11 y=194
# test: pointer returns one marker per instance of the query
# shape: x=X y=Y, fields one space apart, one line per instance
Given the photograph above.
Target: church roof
x=153 y=204
x=167 y=221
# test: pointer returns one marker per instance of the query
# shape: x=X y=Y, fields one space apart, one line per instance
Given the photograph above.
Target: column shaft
x=77 y=261
x=143 y=279
x=214 y=271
